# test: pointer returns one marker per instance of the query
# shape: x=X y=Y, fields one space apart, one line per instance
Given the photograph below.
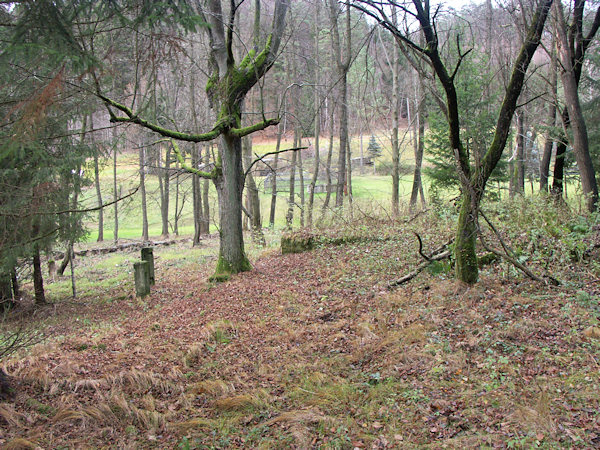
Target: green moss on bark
x=467 y=269
x=225 y=269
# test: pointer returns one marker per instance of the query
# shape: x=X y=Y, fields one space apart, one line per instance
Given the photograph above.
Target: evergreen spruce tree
x=374 y=149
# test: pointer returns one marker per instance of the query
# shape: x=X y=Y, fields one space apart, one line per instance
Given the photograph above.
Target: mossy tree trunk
x=227 y=87
x=232 y=258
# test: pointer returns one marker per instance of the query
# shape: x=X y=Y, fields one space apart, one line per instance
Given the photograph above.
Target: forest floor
x=312 y=350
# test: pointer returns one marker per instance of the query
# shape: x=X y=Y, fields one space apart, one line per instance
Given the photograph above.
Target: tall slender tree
x=473 y=178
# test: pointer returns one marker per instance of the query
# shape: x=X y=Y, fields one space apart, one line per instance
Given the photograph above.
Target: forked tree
x=473 y=177
x=227 y=87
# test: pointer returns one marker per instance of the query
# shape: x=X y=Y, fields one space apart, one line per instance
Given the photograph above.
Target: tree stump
x=142 y=278
x=148 y=256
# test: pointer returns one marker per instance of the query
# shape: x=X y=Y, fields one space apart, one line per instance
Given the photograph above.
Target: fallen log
x=121 y=247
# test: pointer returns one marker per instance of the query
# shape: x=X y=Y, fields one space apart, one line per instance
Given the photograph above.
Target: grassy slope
x=371 y=193
x=312 y=350
x=367 y=188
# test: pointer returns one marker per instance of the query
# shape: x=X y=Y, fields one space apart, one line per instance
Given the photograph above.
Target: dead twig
x=440 y=253
x=425 y=257
x=508 y=254
x=417 y=214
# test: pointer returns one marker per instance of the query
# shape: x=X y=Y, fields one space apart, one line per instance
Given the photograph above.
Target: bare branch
x=260 y=158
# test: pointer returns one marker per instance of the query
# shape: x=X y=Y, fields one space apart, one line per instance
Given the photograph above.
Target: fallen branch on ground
x=508 y=254
x=440 y=253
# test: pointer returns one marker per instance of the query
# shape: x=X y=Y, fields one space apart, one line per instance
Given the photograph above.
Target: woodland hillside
x=299 y=224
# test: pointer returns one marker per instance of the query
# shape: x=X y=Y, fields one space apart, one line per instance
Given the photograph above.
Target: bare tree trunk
x=115 y=190
x=550 y=123
x=165 y=175
x=97 y=183
x=343 y=65
x=72 y=267
x=395 y=126
x=64 y=263
x=417 y=187
x=206 y=212
x=577 y=121
x=197 y=207
x=289 y=218
x=328 y=163
x=38 y=279
x=341 y=175
x=348 y=190
x=196 y=195
x=519 y=173
x=141 y=154
x=301 y=178
x=176 y=216
x=317 y=114
x=252 y=195
x=15 y=284
x=274 y=175
x=362 y=152
x=421 y=118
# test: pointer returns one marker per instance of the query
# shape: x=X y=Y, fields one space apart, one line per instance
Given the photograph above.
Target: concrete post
x=142 y=278
x=148 y=256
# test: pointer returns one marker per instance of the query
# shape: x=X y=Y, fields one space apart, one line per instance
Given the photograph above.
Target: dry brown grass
x=10 y=416
x=241 y=402
x=139 y=381
x=116 y=411
x=193 y=355
x=90 y=385
x=21 y=444
x=213 y=388
x=537 y=418
x=299 y=423
x=192 y=424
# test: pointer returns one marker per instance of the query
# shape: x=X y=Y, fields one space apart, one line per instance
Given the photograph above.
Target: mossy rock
x=297 y=242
